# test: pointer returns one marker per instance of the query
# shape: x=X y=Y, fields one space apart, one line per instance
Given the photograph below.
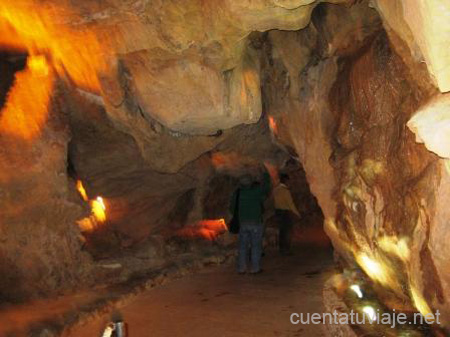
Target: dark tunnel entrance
x=10 y=63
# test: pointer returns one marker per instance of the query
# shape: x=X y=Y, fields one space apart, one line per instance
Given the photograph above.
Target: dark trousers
x=285 y=225
x=250 y=242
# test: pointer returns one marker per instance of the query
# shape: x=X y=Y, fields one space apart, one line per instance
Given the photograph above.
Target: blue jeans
x=250 y=241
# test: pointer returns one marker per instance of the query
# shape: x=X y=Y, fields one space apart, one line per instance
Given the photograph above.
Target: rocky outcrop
x=142 y=201
x=166 y=70
x=431 y=125
x=40 y=248
x=426 y=29
x=297 y=88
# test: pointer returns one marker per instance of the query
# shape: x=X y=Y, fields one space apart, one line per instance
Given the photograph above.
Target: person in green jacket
x=250 y=197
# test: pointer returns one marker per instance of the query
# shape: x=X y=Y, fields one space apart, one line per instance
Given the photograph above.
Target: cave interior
x=125 y=128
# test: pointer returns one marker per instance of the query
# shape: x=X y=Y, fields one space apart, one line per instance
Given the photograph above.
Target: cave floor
x=219 y=302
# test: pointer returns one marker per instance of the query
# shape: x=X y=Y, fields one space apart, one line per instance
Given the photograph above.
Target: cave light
x=420 y=303
x=393 y=245
x=98 y=216
x=87 y=225
x=372 y=267
x=214 y=225
x=98 y=206
x=82 y=190
x=54 y=51
x=229 y=160
x=26 y=109
x=357 y=290
x=377 y=270
x=370 y=312
x=205 y=229
x=273 y=125
x=38 y=64
x=98 y=209
x=77 y=53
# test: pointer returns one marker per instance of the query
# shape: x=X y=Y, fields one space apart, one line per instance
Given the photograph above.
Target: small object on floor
x=115 y=329
x=109 y=330
x=120 y=329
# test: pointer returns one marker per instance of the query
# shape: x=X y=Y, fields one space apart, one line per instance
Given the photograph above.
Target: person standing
x=285 y=210
x=249 y=199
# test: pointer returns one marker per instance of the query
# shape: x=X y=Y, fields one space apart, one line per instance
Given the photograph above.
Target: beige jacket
x=283 y=199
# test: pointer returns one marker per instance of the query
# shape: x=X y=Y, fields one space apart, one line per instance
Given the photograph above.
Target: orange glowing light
x=76 y=52
x=87 y=225
x=206 y=229
x=99 y=209
x=38 y=65
x=81 y=190
x=27 y=107
x=227 y=160
x=214 y=225
x=273 y=125
x=73 y=53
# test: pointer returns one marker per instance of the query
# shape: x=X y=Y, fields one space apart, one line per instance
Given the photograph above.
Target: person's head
x=284 y=178
x=246 y=180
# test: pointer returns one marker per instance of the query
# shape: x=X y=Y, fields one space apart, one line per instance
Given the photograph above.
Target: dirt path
x=220 y=303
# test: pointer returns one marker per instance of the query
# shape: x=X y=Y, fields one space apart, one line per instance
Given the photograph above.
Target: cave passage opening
x=10 y=63
x=196 y=209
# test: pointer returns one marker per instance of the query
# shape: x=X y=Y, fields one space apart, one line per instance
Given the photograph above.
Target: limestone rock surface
x=427 y=30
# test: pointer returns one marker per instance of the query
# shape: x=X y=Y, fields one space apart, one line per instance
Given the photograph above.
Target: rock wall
x=141 y=201
x=346 y=114
x=40 y=248
x=425 y=28
x=166 y=70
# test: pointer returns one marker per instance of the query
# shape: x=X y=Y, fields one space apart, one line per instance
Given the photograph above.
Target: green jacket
x=251 y=200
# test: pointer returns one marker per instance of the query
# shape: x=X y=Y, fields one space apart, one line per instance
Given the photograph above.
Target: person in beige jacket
x=285 y=210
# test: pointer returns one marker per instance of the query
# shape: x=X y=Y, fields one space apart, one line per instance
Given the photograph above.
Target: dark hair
x=246 y=180
x=284 y=178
